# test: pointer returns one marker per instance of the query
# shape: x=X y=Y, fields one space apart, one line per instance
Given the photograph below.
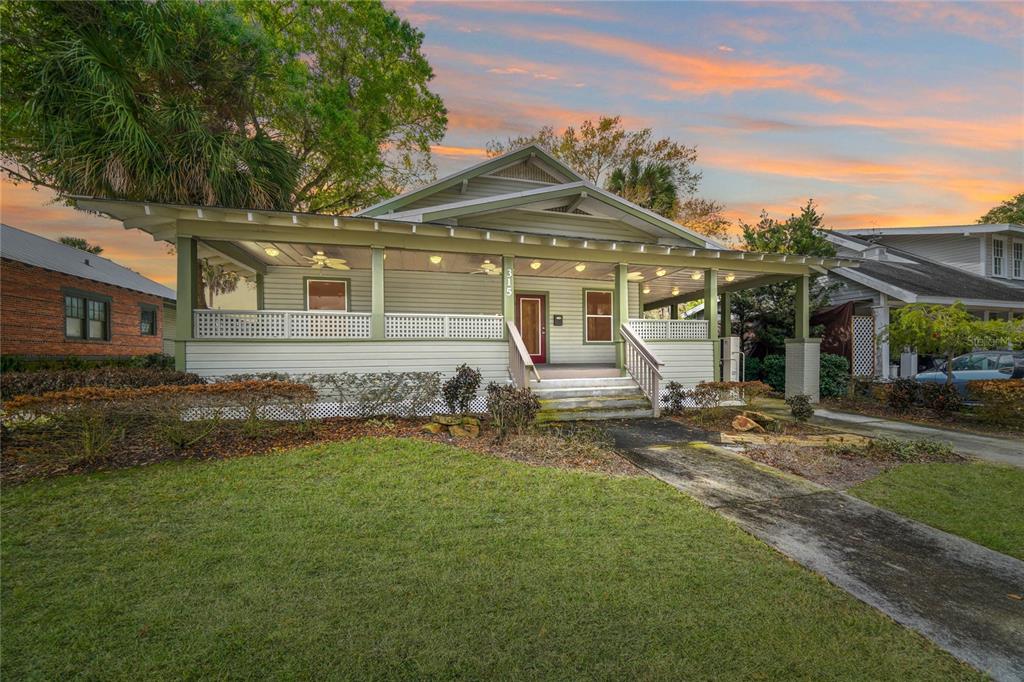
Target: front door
x=530 y=318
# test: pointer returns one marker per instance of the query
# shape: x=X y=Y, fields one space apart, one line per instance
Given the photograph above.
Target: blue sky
x=885 y=113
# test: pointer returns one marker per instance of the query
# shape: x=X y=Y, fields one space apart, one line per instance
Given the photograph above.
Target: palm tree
x=650 y=185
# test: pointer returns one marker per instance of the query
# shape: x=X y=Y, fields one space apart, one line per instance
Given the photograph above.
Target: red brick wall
x=32 y=315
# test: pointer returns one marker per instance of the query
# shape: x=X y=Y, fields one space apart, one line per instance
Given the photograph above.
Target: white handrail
x=643 y=366
x=519 y=361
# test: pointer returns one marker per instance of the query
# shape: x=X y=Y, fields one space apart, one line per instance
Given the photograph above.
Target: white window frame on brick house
x=998 y=257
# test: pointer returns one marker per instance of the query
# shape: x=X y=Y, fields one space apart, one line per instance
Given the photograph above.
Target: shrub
x=458 y=392
x=752 y=368
x=511 y=408
x=941 y=398
x=675 y=398
x=835 y=375
x=19 y=363
x=37 y=383
x=774 y=372
x=1002 y=400
x=902 y=394
x=800 y=407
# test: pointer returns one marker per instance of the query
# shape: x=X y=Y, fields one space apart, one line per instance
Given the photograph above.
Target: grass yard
x=978 y=501
x=391 y=558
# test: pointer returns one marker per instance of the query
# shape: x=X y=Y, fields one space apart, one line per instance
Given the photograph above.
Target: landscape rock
x=470 y=421
x=434 y=427
x=743 y=423
x=768 y=422
x=469 y=431
x=448 y=419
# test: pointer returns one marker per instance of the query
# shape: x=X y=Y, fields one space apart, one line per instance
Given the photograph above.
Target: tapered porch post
x=508 y=290
x=377 y=292
x=188 y=270
x=711 y=315
x=620 y=312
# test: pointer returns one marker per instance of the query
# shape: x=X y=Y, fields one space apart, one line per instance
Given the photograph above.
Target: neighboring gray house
x=981 y=266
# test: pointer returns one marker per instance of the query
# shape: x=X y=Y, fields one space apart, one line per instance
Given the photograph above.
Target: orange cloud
x=993 y=134
x=458 y=152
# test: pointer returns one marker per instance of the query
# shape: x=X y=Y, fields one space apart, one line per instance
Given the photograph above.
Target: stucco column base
x=803 y=368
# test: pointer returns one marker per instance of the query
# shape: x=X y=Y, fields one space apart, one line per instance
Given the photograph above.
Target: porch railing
x=519 y=363
x=642 y=366
x=670 y=330
x=327 y=324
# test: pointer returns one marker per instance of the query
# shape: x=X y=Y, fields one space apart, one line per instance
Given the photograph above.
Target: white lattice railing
x=322 y=324
x=670 y=330
x=429 y=326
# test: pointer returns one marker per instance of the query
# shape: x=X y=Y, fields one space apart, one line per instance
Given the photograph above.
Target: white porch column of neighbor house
x=508 y=290
x=803 y=354
x=711 y=315
x=620 y=312
x=908 y=363
x=187 y=249
x=881 y=315
x=377 y=323
x=731 y=351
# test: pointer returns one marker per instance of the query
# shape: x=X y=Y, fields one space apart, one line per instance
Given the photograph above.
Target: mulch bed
x=26 y=456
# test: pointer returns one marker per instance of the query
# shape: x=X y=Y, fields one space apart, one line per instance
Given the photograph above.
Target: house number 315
x=508 y=282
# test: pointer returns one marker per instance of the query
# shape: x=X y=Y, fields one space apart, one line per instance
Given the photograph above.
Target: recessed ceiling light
x=435 y=259
x=580 y=267
x=272 y=252
x=647 y=289
x=730 y=277
x=675 y=291
x=660 y=272
x=635 y=276
x=535 y=265
x=697 y=275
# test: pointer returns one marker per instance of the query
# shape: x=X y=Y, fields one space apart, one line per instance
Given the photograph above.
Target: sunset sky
x=884 y=113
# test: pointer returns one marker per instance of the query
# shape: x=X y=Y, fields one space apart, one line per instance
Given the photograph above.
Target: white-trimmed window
x=998 y=257
x=1017 y=260
x=326 y=294
x=597 y=311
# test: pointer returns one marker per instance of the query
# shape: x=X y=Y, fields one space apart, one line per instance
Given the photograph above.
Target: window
x=599 y=316
x=1006 y=364
x=86 y=316
x=998 y=257
x=1017 y=267
x=147 y=320
x=326 y=294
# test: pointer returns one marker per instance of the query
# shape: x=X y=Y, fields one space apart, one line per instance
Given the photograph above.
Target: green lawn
x=392 y=559
x=978 y=501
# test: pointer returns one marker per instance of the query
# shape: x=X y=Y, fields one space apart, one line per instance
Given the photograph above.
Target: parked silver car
x=976 y=366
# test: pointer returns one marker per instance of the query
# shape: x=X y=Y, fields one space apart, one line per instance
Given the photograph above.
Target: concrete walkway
x=950 y=590
x=991 y=448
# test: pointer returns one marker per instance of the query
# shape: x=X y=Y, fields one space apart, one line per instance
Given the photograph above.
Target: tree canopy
x=309 y=105
x=81 y=244
x=650 y=185
x=1010 y=211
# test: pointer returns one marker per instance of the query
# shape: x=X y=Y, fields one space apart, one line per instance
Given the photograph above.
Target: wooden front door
x=530 y=320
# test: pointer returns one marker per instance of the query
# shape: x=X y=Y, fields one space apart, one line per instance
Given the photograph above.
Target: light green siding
x=477 y=188
x=169 y=326
x=688 y=362
x=284 y=287
x=555 y=223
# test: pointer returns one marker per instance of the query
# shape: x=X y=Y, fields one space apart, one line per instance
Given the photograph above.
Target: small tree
x=81 y=244
x=218 y=280
x=948 y=331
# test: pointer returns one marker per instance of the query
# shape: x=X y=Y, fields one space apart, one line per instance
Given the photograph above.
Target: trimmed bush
x=458 y=392
x=800 y=407
x=835 y=375
x=675 y=397
x=37 y=383
x=19 y=363
x=511 y=408
x=902 y=394
x=941 y=398
x=752 y=368
x=1002 y=400
x=774 y=372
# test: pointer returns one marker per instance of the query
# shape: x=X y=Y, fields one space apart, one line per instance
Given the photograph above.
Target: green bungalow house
x=517 y=266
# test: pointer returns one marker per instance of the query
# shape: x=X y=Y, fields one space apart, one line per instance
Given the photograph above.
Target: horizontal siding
x=552 y=222
x=170 y=329
x=688 y=362
x=432 y=292
x=219 y=358
x=284 y=287
x=476 y=188
x=954 y=250
x=565 y=298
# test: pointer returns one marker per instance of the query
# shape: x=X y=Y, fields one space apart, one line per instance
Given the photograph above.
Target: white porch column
x=508 y=291
x=189 y=287
x=620 y=312
x=908 y=363
x=881 y=315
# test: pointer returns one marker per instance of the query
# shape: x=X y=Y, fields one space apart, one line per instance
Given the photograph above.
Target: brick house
x=58 y=301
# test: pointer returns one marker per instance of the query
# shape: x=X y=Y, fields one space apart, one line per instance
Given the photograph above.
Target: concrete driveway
x=952 y=591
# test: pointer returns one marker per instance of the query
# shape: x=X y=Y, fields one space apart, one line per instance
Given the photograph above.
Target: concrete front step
x=591 y=415
x=586 y=392
x=584 y=382
x=637 y=400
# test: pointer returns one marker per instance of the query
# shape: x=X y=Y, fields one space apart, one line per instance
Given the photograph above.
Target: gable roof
x=483 y=168
x=964 y=230
x=25 y=247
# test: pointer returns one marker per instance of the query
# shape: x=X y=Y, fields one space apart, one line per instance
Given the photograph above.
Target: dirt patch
x=30 y=454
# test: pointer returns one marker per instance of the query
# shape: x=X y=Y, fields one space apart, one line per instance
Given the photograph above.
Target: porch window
x=998 y=257
x=147 y=320
x=326 y=294
x=1018 y=260
x=86 y=316
x=598 y=311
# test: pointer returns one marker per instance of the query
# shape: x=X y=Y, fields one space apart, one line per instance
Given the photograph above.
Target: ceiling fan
x=487 y=268
x=320 y=261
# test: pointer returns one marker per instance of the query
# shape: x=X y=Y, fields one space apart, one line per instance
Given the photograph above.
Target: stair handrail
x=519 y=361
x=643 y=366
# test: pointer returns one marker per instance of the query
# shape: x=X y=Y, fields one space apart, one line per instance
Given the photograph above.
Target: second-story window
x=998 y=257
x=1017 y=266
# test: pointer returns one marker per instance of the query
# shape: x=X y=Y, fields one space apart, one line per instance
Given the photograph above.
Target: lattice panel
x=220 y=324
x=420 y=326
x=670 y=330
x=525 y=171
x=329 y=409
x=312 y=325
x=863 y=333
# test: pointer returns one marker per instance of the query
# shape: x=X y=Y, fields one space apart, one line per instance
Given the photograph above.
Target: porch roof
x=240 y=236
